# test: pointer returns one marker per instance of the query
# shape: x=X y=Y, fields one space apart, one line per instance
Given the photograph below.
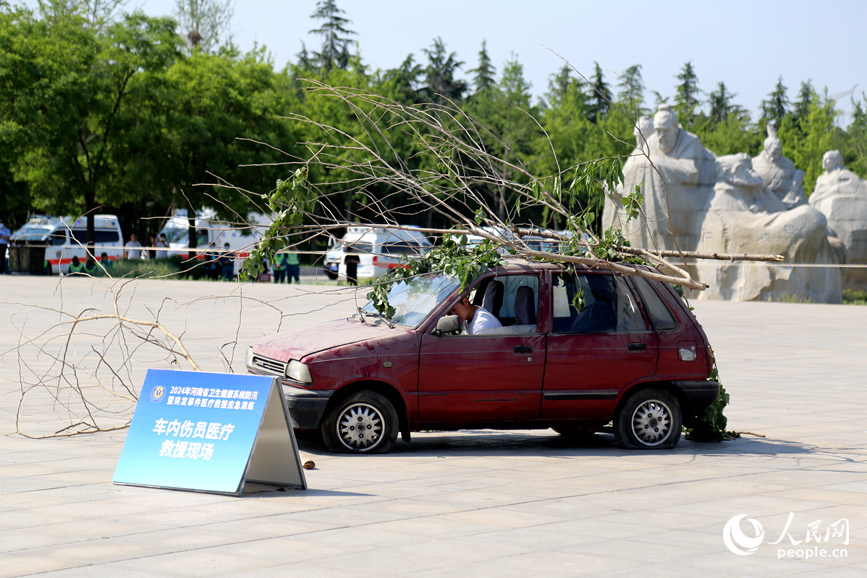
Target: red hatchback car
x=634 y=354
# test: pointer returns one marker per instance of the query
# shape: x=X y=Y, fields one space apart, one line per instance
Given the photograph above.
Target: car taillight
x=375 y=261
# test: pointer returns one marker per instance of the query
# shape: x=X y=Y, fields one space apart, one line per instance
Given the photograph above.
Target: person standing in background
x=4 y=244
x=132 y=250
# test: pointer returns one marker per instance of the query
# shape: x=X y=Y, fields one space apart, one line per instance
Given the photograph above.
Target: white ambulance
x=214 y=233
x=377 y=249
x=66 y=237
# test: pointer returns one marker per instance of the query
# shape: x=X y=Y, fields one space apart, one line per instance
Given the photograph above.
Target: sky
x=748 y=44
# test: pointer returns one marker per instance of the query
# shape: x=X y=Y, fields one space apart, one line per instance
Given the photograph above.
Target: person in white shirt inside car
x=474 y=318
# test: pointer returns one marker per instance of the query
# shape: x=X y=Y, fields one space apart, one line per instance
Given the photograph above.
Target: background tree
x=631 y=93
x=600 y=95
x=776 y=106
x=484 y=75
x=687 y=93
x=205 y=23
x=439 y=74
x=76 y=86
x=335 y=36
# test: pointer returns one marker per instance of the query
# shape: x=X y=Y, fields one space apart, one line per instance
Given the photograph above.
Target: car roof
x=519 y=264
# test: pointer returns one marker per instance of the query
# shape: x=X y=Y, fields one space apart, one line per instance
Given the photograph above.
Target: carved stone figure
x=744 y=216
x=633 y=173
x=679 y=183
x=724 y=207
x=841 y=196
x=779 y=173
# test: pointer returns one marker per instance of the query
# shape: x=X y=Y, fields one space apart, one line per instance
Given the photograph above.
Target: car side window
x=513 y=300
x=660 y=316
x=609 y=306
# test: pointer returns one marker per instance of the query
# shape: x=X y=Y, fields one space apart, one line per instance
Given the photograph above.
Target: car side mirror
x=448 y=324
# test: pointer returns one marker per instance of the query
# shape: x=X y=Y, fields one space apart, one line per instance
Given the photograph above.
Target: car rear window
x=609 y=305
x=660 y=316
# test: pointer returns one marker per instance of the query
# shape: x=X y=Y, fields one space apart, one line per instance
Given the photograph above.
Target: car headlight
x=248 y=359
x=297 y=371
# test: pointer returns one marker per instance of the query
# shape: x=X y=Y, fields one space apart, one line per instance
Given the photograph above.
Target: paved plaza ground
x=474 y=503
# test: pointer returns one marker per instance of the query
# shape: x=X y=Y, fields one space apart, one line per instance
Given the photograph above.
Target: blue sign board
x=210 y=432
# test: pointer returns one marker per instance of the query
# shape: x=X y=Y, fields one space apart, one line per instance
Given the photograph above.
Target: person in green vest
x=280 y=265
x=107 y=264
x=76 y=267
x=90 y=267
x=293 y=268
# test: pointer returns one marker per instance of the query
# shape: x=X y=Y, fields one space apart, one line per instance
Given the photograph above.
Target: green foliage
x=712 y=427
x=807 y=139
x=853 y=297
x=455 y=258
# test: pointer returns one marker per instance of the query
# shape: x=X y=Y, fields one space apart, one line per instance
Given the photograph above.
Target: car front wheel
x=365 y=422
x=649 y=420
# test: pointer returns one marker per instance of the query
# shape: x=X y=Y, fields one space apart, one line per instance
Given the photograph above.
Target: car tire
x=649 y=420
x=330 y=274
x=363 y=423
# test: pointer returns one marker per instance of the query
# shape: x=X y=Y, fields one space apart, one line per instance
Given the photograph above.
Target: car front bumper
x=305 y=406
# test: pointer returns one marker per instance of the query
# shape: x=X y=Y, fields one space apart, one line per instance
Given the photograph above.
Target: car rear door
x=485 y=378
x=593 y=353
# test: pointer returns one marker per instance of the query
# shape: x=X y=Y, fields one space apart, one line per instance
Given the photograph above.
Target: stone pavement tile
x=497 y=518
x=473 y=570
x=19 y=520
x=204 y=562
x=564 y=563
x=83 y=553
x=414 y=507
x=381 y=561
x=291 y=549
x=457 y=550
x=71 y=532
x=108 y=569
x=436 y=527
x=266 y=527
x=829 y=494
x=344 y=517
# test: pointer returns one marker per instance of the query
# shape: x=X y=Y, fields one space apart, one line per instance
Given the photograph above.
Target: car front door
x=595 y=351
x=492 y=377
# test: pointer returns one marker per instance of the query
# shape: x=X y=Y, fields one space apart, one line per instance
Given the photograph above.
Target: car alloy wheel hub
x=360 y=427
x=651 y=422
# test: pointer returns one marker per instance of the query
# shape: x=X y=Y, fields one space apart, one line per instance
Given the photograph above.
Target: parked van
x=210 y=230
x=378 y=248
x=66 y=237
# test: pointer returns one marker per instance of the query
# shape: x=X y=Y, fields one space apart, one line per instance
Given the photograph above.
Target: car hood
x=297 y=343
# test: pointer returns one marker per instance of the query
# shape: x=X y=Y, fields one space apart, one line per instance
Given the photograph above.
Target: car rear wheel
x=365 y=422
x=330 y=274
x=649 y=420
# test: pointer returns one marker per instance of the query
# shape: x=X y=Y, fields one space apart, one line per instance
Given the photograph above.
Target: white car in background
x=66 y=237
x=378 y=248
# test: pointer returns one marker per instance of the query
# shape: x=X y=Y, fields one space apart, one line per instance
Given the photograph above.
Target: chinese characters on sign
x=190 y=449
x=212 y=398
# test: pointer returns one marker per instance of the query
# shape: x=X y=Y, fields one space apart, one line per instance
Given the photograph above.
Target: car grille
x=269 y=366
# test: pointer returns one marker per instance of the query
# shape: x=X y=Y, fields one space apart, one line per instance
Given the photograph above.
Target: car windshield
x=175 y=235
x=30 y=233
x=414 y=300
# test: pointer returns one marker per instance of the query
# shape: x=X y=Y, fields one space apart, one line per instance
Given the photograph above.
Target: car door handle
x=521 y=349
x=637 y=347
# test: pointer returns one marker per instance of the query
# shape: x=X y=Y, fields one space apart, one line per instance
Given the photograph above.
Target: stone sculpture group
x=696 y=201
